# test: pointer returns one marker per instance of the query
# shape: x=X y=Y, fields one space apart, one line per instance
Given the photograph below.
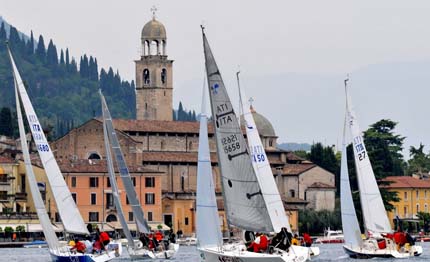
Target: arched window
x=418 y=208
x=94 y=156
x=111 y=218
x=163 y=76
x=146 y=79
x=146 y=106
x=292 y=193
x=182 y=183
x=154 y=48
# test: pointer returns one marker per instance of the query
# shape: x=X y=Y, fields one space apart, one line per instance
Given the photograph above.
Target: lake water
x=329 y=252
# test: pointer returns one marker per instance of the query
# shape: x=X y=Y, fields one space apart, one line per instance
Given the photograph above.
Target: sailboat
x=68 y=211
x=376 y=223
x=244 y=199
x=263 y=170
x=135 y=247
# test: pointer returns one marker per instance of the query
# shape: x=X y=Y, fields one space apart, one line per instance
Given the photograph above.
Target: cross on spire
x=153 y=10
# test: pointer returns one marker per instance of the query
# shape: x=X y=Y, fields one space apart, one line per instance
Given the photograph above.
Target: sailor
x=307 y=240
x=172 y=236
x=144 y=239
x=103 y=238
x=282 y=240
x=260 y=244
x=295 y=241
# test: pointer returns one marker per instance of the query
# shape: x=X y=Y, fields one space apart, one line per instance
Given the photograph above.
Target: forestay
x=245 y=206
x=208 y=226
x=351 y=229
x=262 y=168
x=66 y=206
x=114 y=185
x=142 y=225
x=374 y=214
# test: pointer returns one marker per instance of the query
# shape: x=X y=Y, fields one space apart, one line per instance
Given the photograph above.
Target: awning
x=132 y=226
x=30 y=227
x=104 y=226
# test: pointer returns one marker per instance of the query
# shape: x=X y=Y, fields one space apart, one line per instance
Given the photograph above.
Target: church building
x=167 y=149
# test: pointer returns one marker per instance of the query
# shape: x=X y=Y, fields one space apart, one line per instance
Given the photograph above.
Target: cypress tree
x=73 y=68
x=67 y=57
x=52 y=55
x=96 y=70
x=3 y=37
x=30 y=45
x=14 y=38
x=62 y=57
x=40 y=50
x=6 y=122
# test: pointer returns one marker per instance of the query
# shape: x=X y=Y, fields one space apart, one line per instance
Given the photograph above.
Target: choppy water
x=329 y=252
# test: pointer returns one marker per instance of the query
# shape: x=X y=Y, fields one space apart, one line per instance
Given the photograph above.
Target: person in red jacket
x=79 y=247
x=260 y=244
x=103 y=238
x=307 y=240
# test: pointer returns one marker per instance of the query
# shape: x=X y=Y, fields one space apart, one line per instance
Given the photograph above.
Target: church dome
x=154 y=30
x=264 y=126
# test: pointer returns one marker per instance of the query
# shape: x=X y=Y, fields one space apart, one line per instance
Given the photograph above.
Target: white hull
x=371 y=250
x=236 y=253
x=114 y=251
x=145 y=254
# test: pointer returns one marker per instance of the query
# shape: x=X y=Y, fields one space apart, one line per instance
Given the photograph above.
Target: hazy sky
x=293 y=54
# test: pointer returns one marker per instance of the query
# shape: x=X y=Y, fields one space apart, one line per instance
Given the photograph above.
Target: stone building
x=155 y=142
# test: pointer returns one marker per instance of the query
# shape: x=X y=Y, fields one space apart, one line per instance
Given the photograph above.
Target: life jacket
x=264 y=242
x=80 y=247
x=158 y=236
x=307 y=238
x=104 y=237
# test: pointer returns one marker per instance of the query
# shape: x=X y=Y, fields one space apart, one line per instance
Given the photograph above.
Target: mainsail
x=243 y=199
x=66 y=206
x=374 y=214
x=208 y=226
x=114 y=185
x=142 y=225
x=262 y=168
x=351 y=229
x=44 y=220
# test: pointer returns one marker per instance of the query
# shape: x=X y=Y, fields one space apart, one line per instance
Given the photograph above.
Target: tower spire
x=153 y=10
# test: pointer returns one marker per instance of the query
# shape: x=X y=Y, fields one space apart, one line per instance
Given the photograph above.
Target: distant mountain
x=295 y=146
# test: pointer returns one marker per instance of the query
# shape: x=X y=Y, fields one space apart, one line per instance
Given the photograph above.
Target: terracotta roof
x=321 y=185
x=406 y=182
x=294 y=200
x=294 y=157
x=185 y=157
x=297 y=169
x=7 y=160
x=159 y=126
x=96 y=166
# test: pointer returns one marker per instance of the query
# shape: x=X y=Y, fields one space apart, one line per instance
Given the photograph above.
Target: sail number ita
x=257 y=153
x=37 y=134
x=230 y=144
x=359 y=148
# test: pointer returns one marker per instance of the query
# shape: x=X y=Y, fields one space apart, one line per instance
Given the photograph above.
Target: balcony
x=21 y=196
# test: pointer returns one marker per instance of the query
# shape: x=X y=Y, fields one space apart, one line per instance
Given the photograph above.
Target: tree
x=6 y=128
x=40 y=50
x=30 y=45
x=325 y=157
x=62 y=62
x=419 y=163
x=51 y=54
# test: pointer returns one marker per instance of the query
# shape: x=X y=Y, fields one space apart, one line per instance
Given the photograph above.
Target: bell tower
x=154 y=74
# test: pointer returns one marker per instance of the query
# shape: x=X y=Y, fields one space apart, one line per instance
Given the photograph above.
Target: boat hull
x=237 y=254
x=114 y=251
x=366 y=253
x=144 y=254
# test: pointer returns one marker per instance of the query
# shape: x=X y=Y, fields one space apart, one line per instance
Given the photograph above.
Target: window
x=292 y=193
x=94 y=156
x=426 y=208
x=93 y=216
x=111 y=218
x=270 y=142
x=109 y=201
x=149 y=181
x=74 y=196
x=126 y=200
x=73 y=181
x=163 y=76
x=182 y=183
x=130 y=216
x=405 y=211
x=417 y=194
x=93 y=199
x=186 y=221
x=146 y=76
x=57 y=217
x=22 y=183
x=149 y=216
x=405 y=196
x=162 y=145
x=150 y=198
x=108 y=182
x=94 y=182
x=190 y=145
x=133 y=179
x=418 y=208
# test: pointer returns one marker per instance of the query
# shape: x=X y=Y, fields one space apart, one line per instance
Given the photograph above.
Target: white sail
x=44 y=220
x=66 y=206
x=262 y=168
x=142 y=225
x=374 y=214
x=243 y=201
x=208 y=226
x=114 y=185
x=351 y=229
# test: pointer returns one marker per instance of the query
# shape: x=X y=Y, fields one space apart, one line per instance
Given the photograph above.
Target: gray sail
x=245 y=206
x=44 y=220
x=208 y=226
x=114 y=185
x=351 y=229
x=142 y=225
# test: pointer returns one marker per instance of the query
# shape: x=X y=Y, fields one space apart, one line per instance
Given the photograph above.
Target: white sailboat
x=69 y=213
x=374 y=215
x=263 y=170
x=244 y=201
x=135 y=248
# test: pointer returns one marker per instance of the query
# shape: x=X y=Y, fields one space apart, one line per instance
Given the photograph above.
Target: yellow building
x=414 y=194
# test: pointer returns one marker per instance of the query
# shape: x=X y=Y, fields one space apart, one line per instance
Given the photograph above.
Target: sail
x=114 y=185
x=208 y=226
x=244 y=203
x=262 y=168
x=351 y=229
x=374 y=214
x=142 y=225
x=66 y=206
x=44 y=220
